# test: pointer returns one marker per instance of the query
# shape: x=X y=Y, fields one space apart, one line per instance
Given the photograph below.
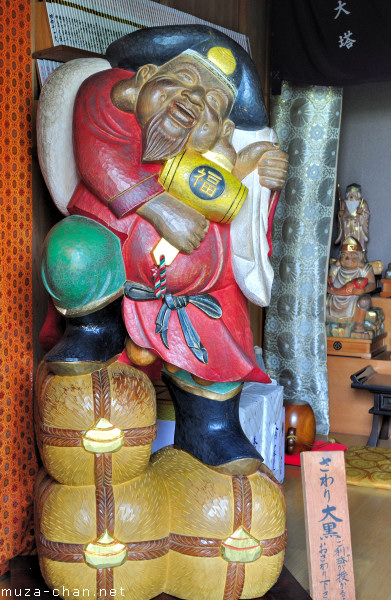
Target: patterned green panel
x=307 y=121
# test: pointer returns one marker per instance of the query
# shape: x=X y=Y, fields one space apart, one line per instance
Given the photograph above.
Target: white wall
x=365 y=158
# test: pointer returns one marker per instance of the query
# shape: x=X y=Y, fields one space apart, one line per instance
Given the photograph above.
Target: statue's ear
x=228 y=129
x=125 y=93
x=145 y=73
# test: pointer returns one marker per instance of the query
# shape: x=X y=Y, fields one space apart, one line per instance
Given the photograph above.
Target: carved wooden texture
x=171 y=495
x=250 y=17
x=116 y=394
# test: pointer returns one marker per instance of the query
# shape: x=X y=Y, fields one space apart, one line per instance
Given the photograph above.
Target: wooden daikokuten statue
x=166 y=241
x=348 y=306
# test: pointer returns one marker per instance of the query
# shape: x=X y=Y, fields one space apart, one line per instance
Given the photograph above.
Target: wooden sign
x=329 y=550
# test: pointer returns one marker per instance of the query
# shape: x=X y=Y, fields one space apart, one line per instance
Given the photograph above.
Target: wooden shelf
x=43 y=41
x=349 y=407
x=64 y=53
x=353 y=347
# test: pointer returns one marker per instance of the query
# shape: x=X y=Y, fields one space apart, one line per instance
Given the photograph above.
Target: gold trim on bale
x=91 y=307
x=182 y=544
x=201 y=391
x=203 y=185
x=105 y=552
x=103 y=437
x=82 y=367
x=241 y=547
x=223 y=59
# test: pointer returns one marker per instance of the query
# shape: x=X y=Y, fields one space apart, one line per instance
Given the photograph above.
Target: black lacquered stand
x=380 y=386
x=25 y=575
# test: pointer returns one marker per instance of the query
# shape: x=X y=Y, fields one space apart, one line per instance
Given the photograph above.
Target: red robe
x=114 y=183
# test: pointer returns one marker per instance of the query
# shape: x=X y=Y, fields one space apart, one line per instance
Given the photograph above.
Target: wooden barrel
x=300 y=427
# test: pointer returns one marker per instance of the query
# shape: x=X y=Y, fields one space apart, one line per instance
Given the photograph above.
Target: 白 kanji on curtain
x=17 y=456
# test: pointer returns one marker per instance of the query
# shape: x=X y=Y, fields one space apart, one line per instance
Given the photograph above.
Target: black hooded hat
x=158 y=45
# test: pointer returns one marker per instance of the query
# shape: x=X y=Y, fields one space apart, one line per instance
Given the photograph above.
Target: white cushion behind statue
x=54 y=126
x=250 y=263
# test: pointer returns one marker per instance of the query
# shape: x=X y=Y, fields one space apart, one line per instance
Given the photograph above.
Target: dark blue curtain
x=331 y=42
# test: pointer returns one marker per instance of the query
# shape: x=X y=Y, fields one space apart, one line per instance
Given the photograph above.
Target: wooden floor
x=370 y=522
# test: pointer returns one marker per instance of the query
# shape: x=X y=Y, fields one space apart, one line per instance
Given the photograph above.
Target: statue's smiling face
x=350 y=259
x=182 y=104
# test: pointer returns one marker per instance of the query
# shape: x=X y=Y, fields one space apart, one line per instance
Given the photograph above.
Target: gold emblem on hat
x=350 y=244
x=223 y=59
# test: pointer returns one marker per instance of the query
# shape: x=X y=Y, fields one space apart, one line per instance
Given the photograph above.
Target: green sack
x=82 y=266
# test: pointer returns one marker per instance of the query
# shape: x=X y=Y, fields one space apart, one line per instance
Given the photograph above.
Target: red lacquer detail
x=108 y=154
x=107 y=146
x=360 y=283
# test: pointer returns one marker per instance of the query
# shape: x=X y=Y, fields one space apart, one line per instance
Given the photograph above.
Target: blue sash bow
x=205 y=302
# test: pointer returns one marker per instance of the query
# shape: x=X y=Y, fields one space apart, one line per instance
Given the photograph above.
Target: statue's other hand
x=182 y=226
x=273 y=169
x=268 y=159
x=346 y=290
x=349 y=289
x=332 y=290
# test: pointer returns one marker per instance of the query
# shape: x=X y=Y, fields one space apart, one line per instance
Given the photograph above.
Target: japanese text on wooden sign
x=327 y=526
